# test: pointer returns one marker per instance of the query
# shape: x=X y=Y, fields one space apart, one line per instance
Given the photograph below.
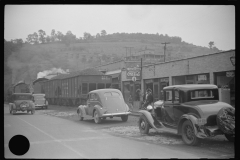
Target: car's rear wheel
x=80 y=115
x=13 y=112
x=97 y=119
x=188 y=135
x=143 y=125
x=124 y=118
x=33 y=111
x=230 y=137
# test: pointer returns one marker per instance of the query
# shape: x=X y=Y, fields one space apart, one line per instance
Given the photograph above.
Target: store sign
x=230 y=74
x=164 y=80
x=133 y=72
x=105 y=78
x=202 y=77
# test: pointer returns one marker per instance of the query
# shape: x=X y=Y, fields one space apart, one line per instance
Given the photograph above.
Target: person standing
x=130 y=102
x=148 y=99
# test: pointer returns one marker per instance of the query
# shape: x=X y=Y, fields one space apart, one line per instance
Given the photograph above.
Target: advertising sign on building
x=133 y=72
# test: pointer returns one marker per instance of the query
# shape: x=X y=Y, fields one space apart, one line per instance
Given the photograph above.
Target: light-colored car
x=193 y=111
x=103 y=103
x=40 y=101
x=21 y=102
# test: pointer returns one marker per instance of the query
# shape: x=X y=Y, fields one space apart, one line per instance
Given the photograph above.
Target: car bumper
x=40 y=105
x=115 y=114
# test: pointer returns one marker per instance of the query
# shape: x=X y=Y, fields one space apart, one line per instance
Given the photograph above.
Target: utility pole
x=165 y=48
x=126 y=51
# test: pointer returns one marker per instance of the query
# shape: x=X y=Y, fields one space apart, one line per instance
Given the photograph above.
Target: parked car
x=192 y=111
x=40 y=101
x=103 y=103
x=21 y=102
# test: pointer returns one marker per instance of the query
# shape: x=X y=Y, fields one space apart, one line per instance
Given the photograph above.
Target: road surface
x=53 y=137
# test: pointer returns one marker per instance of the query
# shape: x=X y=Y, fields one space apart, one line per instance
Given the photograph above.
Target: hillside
x=32 y=59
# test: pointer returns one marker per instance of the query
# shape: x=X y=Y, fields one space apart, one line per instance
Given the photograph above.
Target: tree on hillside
x=59 y=36
x=103 y=33
x=53 y=35
x=48 y=39
x=211 y=44
x=42 y=35
x=87 y=35
x=69 y=38
x=30 y=39
x=97 y=35
x=35 y=38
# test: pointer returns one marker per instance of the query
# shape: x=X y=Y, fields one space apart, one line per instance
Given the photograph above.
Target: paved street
x=53 y=137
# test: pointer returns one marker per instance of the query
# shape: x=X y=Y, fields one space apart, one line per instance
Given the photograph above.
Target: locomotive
x=72 y=89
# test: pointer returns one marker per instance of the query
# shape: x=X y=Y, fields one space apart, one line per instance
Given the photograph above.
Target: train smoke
x=51 y=71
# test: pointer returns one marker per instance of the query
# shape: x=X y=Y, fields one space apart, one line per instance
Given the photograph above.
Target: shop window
x=178 y=80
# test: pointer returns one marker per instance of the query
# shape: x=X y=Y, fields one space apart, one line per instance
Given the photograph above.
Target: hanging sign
x=133 y=72
x=134 y=79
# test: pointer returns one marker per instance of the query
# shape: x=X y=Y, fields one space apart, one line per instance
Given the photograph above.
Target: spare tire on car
x=226 y=122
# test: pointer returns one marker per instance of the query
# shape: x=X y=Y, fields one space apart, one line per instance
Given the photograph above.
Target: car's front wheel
x=143 y=125
x=230 y=137
x=80 y=115
x=124 y=118
x=97 y=119
x=188 y=135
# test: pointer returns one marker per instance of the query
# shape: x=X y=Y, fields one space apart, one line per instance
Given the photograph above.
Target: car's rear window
x=199 y=94
x=39 y=97
x=23 y=97
x=111 y=94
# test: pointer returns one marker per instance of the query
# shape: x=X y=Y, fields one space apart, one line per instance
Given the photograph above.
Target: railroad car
x=72 y=89
x=21 y=87
x=37 y=85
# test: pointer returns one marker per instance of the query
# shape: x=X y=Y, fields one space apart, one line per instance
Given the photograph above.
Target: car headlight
x=149 y=107
x=201 y=121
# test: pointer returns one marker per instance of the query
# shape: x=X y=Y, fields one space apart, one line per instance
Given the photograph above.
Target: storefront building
x=217 y=68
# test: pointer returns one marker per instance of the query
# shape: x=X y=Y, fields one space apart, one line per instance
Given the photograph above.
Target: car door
x=90 y=103
x=177 y=109
x=168 y=116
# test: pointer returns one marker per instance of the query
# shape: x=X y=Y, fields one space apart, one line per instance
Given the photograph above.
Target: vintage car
x=192 y=111
x=40 y=101
x=21 y=102
x=103 y=103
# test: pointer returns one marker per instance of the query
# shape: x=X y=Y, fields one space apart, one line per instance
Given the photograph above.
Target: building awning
x=114 y=74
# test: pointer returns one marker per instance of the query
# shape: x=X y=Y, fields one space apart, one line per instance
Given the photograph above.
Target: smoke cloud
x=51 y=71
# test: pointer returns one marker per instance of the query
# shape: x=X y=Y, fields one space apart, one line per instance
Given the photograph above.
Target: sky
x=195 y=24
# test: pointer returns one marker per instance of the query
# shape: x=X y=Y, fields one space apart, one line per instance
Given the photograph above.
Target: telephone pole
x=165 y=48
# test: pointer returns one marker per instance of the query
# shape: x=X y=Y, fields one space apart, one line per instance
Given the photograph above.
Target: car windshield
x=23 y=97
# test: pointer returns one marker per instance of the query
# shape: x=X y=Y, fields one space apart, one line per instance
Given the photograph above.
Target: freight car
x=37 y=85
x=72 y=89
x=21 y=87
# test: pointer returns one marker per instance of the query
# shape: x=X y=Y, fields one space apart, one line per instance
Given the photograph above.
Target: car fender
x=98 y=109
x=82 y=109
x=151 y=120
x=193 y=120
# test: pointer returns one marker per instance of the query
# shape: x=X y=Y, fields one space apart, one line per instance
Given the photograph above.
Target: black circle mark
x=19 y=145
